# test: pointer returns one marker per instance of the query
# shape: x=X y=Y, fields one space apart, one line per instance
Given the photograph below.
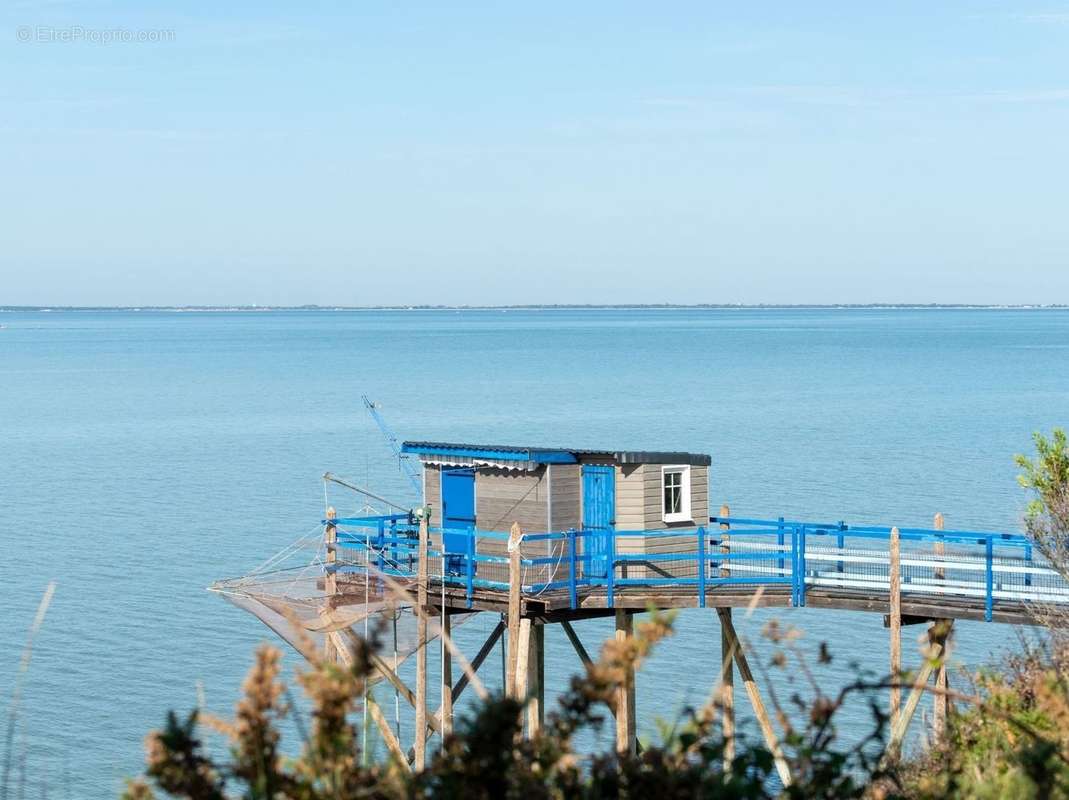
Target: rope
x=285 y=551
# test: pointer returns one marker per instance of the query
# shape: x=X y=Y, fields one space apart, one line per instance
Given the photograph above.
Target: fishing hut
x=543 y=536
x=541 y=489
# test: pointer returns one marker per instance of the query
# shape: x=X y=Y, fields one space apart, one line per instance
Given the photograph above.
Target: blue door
x=458 y=513
x=599 y=515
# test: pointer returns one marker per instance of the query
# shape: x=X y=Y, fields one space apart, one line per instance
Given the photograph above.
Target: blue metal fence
x=980 y=567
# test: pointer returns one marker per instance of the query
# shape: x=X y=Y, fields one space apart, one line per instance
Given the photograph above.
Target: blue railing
x=981 y=567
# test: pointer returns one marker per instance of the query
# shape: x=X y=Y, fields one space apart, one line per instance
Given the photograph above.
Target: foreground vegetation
x=1008 y=736
x=487 y=757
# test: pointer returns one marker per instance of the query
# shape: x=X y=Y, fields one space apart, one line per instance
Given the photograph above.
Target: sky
x=596 y=152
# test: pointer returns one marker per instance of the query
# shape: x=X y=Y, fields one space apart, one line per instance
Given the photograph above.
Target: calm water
x=143 y=455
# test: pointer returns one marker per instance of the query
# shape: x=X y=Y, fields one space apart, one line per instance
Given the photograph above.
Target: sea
x=146 y=454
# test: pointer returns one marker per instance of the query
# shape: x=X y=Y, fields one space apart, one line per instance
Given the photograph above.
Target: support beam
x=907 y=619
x=536 y=677
x=480 y=657
x=625 y=693
x=895 y=590
x=504 y=656
x=764 y=721
x=901 y=725
x=421 y=645
x=573 y=637
x=384 y=669
x=727 y=686
x=462 y=684
x=515 y=577
x=388 y=735
x=342 y=654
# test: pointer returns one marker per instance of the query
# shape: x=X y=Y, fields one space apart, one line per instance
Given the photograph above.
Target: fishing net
x=309 y=605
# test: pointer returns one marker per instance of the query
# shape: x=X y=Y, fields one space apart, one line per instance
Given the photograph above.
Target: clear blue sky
x=286 y=153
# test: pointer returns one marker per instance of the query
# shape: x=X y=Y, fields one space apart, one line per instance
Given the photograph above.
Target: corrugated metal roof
x=552 y=455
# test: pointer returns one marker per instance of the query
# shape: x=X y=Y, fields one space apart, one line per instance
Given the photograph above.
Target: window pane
x=673 y=492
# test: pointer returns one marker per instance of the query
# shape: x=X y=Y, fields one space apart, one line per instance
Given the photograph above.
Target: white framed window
x=675 y=494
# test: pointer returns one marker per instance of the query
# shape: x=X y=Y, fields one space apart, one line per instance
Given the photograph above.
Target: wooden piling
x=536 y=680
x=421 y=646
x=895 y=619
x=727 y=669
x=625 y=693
x=727 y=687
x=330 y=582
x=523 y=659
x=515 y=578
x=447 y=678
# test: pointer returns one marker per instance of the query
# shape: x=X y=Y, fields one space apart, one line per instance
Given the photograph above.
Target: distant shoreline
x=551 y=307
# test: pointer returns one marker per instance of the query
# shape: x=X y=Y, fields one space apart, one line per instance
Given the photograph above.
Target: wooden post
x=421 y=645
x=330 y=583
x=940 y=548
x=447 y=678
x=727 y=669
x=895 y=591
x=725 y=570
x=764 y=721
x=625 y=693
x=523 y=665
x=536 y=668
x=940 y=636
x=515 y=577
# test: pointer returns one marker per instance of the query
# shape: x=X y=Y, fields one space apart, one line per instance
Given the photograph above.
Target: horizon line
x=526 y=307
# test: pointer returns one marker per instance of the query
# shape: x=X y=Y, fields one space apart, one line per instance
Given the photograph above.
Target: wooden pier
x=908 y=576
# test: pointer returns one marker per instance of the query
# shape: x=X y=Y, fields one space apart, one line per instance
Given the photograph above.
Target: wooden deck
x=554 y=606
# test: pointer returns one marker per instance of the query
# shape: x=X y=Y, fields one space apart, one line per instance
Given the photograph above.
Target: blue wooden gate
x=599 y=515
x=458 y=513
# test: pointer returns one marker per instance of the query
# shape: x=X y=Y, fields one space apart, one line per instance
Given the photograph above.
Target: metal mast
x=391 y=439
